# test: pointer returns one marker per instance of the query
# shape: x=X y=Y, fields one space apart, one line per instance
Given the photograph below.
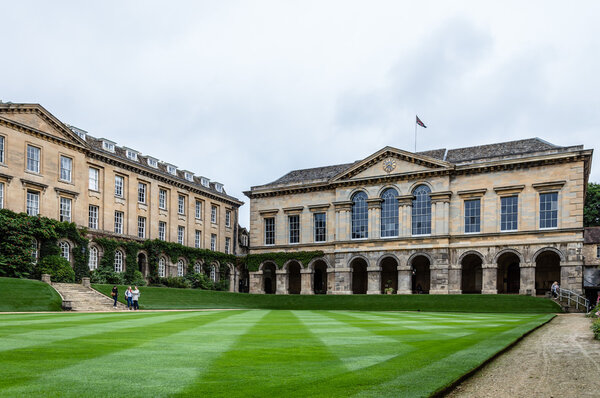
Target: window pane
x=119 y=186
x=1 y=149
x=118 y=222
x=162 y=228
x=472 y=216
x=389 y=213
x=33 y=159
x=360 y=220
x=33 y=203
x=509 y=212
x=549 y=210
x=320 y=227
x=66 y=165
x=141 y=193
x=421 y=211
x=269 y=231
x=294 y=228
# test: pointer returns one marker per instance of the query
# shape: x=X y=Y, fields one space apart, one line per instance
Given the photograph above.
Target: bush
x=200 y=281
x=58 y=267
x=596 y=329
x=222 y=285
x=138 y=279
x=176 y=281
x=103 y=275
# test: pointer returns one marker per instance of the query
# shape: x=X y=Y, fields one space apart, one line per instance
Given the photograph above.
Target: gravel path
x=561 y=359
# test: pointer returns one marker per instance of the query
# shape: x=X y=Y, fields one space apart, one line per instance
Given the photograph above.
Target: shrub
x=596 y=329
x=176 y=281
x=222 y=285
x=138 y=279
x=58 y=267
x=104 y=275
x=200 y=281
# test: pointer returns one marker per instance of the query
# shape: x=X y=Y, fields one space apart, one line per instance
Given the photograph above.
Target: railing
x=572 y=297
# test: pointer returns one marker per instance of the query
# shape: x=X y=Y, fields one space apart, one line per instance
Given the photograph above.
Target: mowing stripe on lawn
x=27 y=373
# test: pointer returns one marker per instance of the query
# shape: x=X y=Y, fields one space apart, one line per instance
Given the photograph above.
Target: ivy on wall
x=253 y=261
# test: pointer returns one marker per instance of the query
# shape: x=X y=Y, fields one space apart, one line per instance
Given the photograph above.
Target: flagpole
x=415 y=137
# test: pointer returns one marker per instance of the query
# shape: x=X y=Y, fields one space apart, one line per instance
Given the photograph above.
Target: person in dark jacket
x=115 y=295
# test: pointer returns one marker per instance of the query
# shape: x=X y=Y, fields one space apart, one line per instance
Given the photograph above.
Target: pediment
x=391 y=161
x=37 y=118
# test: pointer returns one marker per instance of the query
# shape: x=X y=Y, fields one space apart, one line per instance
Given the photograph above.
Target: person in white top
x=128 y=297
x=135 y=296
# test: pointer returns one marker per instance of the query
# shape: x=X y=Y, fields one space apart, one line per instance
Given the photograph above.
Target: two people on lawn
x=132 y=297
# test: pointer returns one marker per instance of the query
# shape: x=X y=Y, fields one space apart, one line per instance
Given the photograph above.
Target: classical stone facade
x=499 y=218
x=50 y=168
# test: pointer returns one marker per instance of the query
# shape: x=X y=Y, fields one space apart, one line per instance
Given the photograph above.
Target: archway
x=269 y=278
x=244 y=281
x=359 y=276
x=509 y=273
x=421 y=279
x=547 y=271
x=294 y=280
x=471 y=274
x=142 y=264
x=320 y=277
x=389 y=274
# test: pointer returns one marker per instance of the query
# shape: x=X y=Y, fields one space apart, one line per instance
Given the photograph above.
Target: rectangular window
x=1 y=195
x=181 y=204
x=198 y=209
x=180 y=234
x=509 y=213
x=119 y=183
x=118 y=222
x=269 y=231
x=93 y=179
x=162 y=230
x=65 y=209
x=33 y=203
x=213 y=242
x=213 y=214
x=320 y=220
x=162 y=199
x=93 y=217
x=33 y=158
x=141 y=192
x=472 y=216
x=141 y=227
x=1 y=149
x=227 y=245
x=198 y=239
x=228 y=218
x=294 y=228
x=549 y=210
x=66 y=168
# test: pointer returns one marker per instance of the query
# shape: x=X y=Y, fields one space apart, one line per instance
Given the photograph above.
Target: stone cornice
x=549 y=186
x=33 y=184
x=6 y=177
x=472 y=193
x=61 y=191
x=442 y=196
x=293 y=210
x=509 y=189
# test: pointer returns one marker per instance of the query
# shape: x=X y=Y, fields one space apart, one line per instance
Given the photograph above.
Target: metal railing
x=573 y=298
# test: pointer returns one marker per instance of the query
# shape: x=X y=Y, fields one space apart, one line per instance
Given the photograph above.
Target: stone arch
x=98 y=252
x=354 y=257
x=471 y=264
x=293 y=269
x=142 y=262
x=417 y=254
x=387 y=255
x=546 y=249
x=181 y=266
x=388 y=263
x=198 y=266
x=311 y=264
x=509 y=270
x=416 y=184
x=319 y=267
x=359 y=264
x=243 y=279
x=420 y=264
x=386 y=187
x=469 y=252
x=547 y=269
x=269 y=276
x=266 y=262
x=62 y=245
x=162 y=266
x=356 y=191
x=120 y=259
x=288 y=262
x=514 y=251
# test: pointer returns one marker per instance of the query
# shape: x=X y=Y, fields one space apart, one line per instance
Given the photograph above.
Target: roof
x=591 y=235
x=459 y=155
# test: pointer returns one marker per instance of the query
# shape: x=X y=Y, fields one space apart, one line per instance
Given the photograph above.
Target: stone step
x=81 y=298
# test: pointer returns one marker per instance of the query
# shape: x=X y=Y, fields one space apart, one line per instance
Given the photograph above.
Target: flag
x=420 y=123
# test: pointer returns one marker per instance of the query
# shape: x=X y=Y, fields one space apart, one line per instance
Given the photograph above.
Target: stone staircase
x=77 y=297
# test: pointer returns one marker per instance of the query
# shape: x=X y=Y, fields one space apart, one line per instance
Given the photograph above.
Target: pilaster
x=306 y=281
x=527 y=283
x=404 y=280
x=489 y=279
x=282 y=282
x=373 y=280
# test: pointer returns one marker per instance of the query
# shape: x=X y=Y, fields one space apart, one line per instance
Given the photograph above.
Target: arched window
x=213 y=273
x=118 y=261
x=65 y=250
x=93 y=260
x=389 y=213
x=421 y=211
x=197 y=268
x=360 y=216
x=34 y=250
x=161 y=267
x=180 y=268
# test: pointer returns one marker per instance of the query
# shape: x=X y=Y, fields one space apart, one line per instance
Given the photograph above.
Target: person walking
x=115 y=295
x=129 y=298
x=135 y=297
x=554 y=289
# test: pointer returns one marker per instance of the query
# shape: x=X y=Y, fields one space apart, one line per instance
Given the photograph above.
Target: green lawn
x=168 y=298
x=27 y=295
x=247 y=353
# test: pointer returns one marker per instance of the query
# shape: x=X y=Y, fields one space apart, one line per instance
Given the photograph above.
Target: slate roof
x=591 y=235
x=459 y=155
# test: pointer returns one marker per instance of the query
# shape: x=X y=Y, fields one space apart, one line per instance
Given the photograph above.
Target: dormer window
x=205 y=182
x=171 y=169
x=153 y=162
x=219 y=187
x=188 y=176
x=108 y=146
x=80 y=133
x=131 y=154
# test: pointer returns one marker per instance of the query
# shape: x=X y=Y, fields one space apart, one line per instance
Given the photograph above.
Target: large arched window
x=180 y=267
x=360 y=216
x=93 y=260
x=421 y=211
x=118 y=261
x=162 y=265
x=34 y=250
x=213 y=273
x=389 y=213
x=197 y=268
x=65 y=250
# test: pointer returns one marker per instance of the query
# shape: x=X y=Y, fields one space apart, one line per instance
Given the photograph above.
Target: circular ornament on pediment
x=389 y=165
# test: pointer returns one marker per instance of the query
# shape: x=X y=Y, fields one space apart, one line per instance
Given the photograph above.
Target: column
x=455 y=279
x=405 y=214
x=374 y=206
x=527 y=285
x=489 y=279
x=256 y=283
x=439 y=279
x=373 y=280
x=404 y=279
x=307 y=281
x=282 y=282
x=342 y=281
x=233 y=287
x=342 y=220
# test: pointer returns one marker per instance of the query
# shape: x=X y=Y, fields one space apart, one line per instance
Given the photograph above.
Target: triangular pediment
x=391 y=161
x=37 y=118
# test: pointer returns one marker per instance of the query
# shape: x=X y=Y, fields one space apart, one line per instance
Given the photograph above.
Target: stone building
x=499 y=218
x=591 y=255
x=50 y=168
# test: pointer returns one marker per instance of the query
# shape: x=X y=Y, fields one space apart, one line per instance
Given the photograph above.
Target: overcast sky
x=243 y=92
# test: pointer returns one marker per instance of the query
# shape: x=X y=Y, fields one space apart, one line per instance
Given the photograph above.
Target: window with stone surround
x=360 y=216
x=141 y=227
x=472 y=216
x=162 y=230
x=421 y=211
x=93 y=217
x=118 y=222
x=142 y=192
x=93 y=258
x=1 y=149
x=294 y=228
x=119 y=182
x=548 y=210
x=33 y=203
x=320 y=222
x=509 y=213
x=1 y=195
x=65 y=250
x=162 y=266
x=181 y=204
x=389 y=213
x=65 y=209
x=270 y=231
x=94 y=179
x=66 y=168
x=33 y=158
x=162 y=199
x=198 y=239
x=180 y=234
x=180 y=268
x=118 y=261
x=213 y=242
x=227 y=245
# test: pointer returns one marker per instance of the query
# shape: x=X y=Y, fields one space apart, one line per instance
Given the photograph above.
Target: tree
x=591 y=210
